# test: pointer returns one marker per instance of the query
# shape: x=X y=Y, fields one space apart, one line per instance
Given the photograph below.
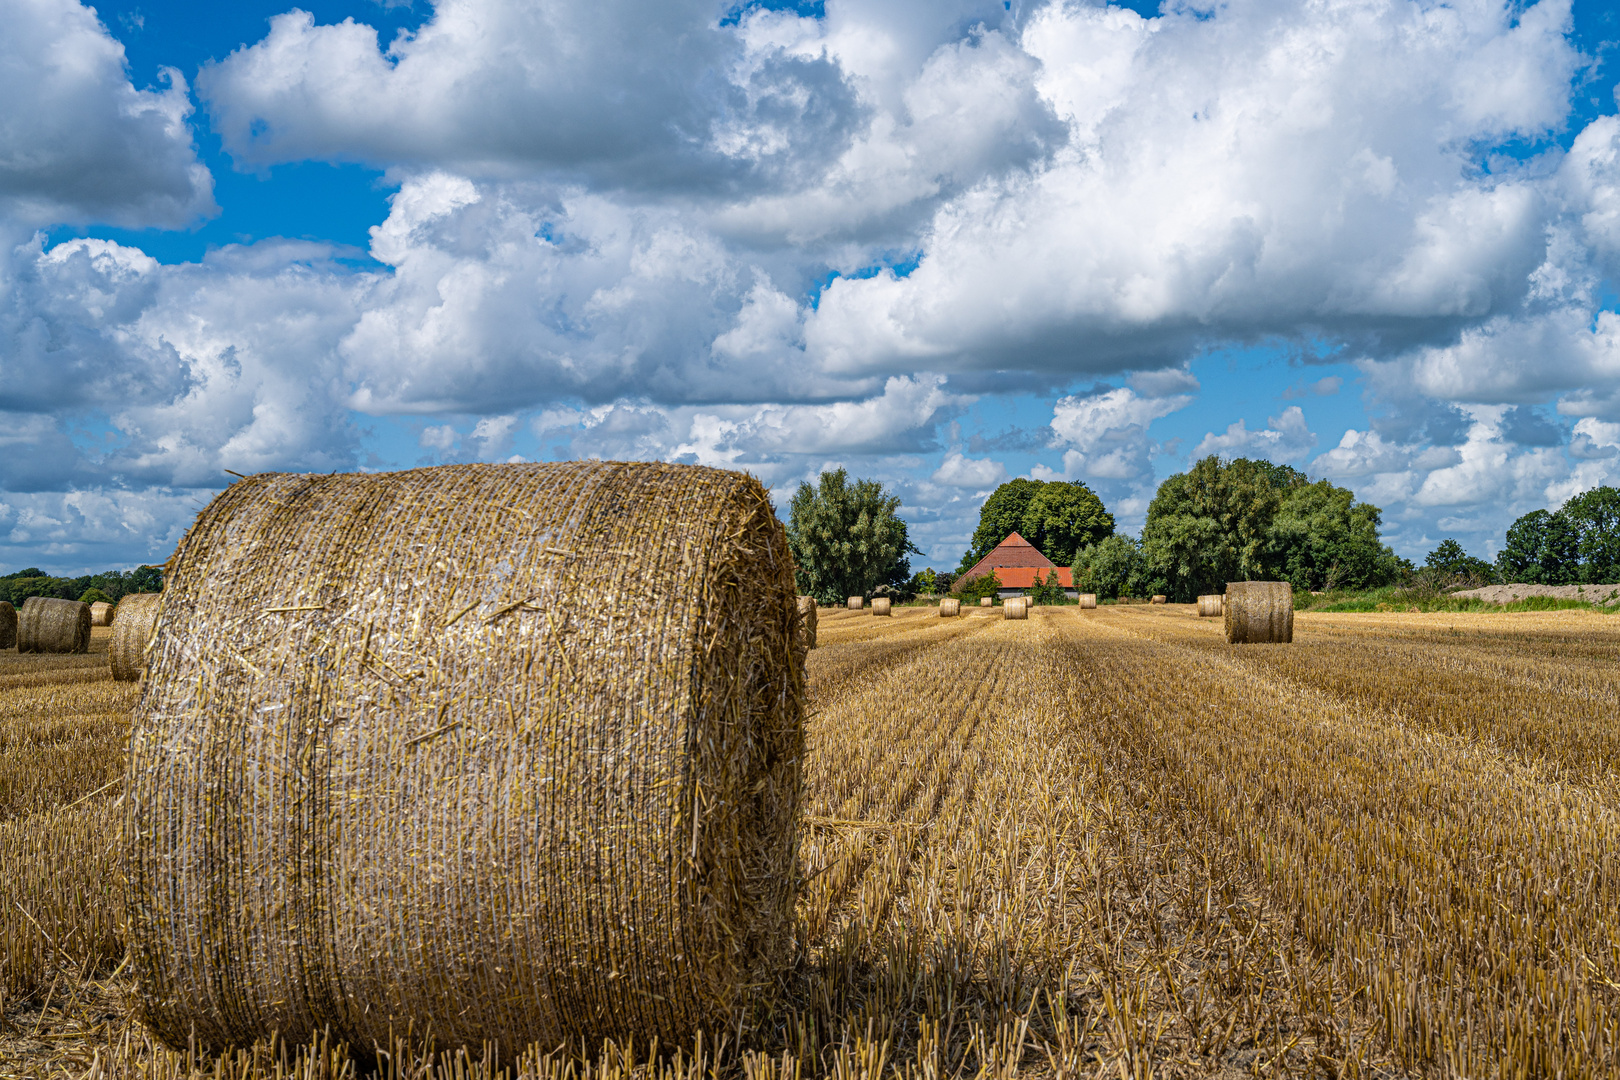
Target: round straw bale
x=1209 y=606
x=403 y=757
x=101 y=613
x=986 y=601
x=855 y=603
x=950 y=607
x=807 y=621
x=8 y=626
x=1158 y=599
x=1088 y=600
x=880 y=605
x=1259 y=612
x=53 y=626
x=132 y=630
x=1015 y=608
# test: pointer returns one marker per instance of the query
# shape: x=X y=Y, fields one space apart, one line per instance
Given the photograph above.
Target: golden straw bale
x=855 y=603
x=1158 y=599
x=8 y=626
x=1088 y=600
x=1015 y=608
x=101 y=613
x=510 y=753
x=1259 y=612
x=986 y=601
x=807 y=621
x=53 y=626
x=132 y=630
x=1209 y=606
x=880 y=605
x=950 y=607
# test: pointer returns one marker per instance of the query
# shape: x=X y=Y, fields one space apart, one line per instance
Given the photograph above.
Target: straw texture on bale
x=53 y=626
x=132 y=630
x=950 y=607
x=985 y=601
x=807 y=621
x=1209 y=606
x=1158 y=599
x=1259 y=612
x=855 y=603
x=8 y=625
x=508 y=753
x=101 y=613
x=1016 y=608
x=1088 y=600
x=880 y=605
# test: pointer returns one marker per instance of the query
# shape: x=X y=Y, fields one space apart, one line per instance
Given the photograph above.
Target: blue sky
x=941 y=244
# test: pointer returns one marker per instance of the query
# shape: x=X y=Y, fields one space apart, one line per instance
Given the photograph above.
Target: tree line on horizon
x=1221 y=520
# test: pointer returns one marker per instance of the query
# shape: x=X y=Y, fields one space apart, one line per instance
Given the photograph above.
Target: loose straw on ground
x=569 y=814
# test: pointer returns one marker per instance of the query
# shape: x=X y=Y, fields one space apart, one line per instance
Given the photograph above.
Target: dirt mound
x=1504 y=594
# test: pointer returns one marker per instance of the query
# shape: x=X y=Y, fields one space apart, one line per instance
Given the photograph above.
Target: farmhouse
x=1017 y=563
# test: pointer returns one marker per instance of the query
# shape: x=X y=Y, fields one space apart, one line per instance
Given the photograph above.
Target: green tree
x=1049 y=591
x=1001 y=515
x=1322 y=538
x=1062 y=518
x=1449 y=560
x=1541 y=548
x=94 y=595
x=1111 y=568
x=972 y=590
x=1212 y=524
x=847 y=539
x=1595 y=516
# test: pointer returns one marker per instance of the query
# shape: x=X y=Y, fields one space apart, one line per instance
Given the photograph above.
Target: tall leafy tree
x=1448 y=559
x=1541 y=548
x=1062 y=518
x=847 y=538
x=1111 y=568
x=1322 y=538
x=1595 y=516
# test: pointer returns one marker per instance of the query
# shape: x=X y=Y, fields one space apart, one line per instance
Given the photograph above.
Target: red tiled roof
x=1011 y=553
x=1023 y=577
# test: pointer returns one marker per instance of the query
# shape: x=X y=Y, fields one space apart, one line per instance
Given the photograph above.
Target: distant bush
x=977 y=587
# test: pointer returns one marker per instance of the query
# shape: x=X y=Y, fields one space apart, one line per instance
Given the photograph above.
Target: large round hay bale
x=807 y=621
x=950 y=608
x=1209 y=606
x=132 y=630
x=8 y=625
x=1015 y=608
x=53 y=626
x=855 y=603
x=1158 y=599
x=101 y=613
x=501 y=752
x=986 y=601
x=880 y=605
x=1088 y=600
x=1259 y=612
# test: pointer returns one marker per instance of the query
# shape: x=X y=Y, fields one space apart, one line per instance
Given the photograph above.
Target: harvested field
x=1097 y=842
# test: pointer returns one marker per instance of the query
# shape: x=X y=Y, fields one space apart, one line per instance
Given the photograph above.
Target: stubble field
x=1096 y=843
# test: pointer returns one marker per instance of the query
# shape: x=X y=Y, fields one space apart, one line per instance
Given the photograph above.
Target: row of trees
x=1579 y=543
x=109 y=585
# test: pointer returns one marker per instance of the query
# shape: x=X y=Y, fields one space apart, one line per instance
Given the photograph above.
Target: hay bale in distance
x=807 y=621
x=950 y=607
x=53 y=626
x=855 y=603
x=1209 y=606
x=880 y=605
x=986 y=601
x=8 y=625
x=101 y=613
x=459 y=787
x=1158 y=599
x=1015 y=608
x=1088 y=600
x=132 y=630
x=1259 y=612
